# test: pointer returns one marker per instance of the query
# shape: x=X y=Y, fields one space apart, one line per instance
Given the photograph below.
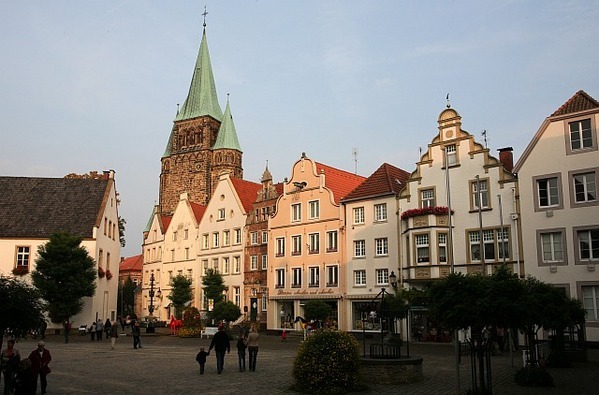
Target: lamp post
x=150 y=328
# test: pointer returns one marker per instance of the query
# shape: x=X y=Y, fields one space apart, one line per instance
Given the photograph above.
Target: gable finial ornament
x=204 y=14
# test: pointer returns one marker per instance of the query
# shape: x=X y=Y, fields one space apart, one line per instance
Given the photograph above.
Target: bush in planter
x=190 y=332
x=327 y=362
x=192 y=323
x=534 y=376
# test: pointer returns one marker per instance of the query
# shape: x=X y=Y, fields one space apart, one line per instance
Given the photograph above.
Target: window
x=314 y=276
x=382 y=276
x=204 y=266
x=548 y=192
x=359 y=277
x=264 y=262
x=237 y=296
x=175 y=236
x=503 y=244
x=205 y=241
x=236 y=264
x=427 y=198
x=380 y=212
x=588 y=244
x=280 y=251
x=332 y=241
x=296 y=281
x=264 y=301
x=264 y=237
x=451 y=155
x=442 y=247
x=359 y=249
x=189 y=274
x=493 y=240
x=237 y=235
x=172 y=255
x=215 y=264
x=314 y=243
x=422 y=248
x=226 y=265
x=296 y=245
x=381 y=247
x=590 y=300
x=254 y=262
x=483 y=194
x=23 y=257
x=226 y=237
x=186 y=252
x=108 y=261
x=332 y=276
x=254 y=238
x=314 y=209
x=585 y=188
x=221 y=214
x=215 y=239
x=186 y=234
x=296 y=212
x=280 y=279
x=552 y=247
x=581 y=135
x=358 y=215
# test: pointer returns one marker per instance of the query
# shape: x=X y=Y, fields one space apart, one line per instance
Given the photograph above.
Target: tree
x=20 y=308
x=213 y=285
x=226 y=310
x=317 y=310
x=122 y=223
x=64 y=274
x=180 y=294
x=126 y=297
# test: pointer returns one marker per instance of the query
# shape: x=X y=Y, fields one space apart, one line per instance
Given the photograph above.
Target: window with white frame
x=590 y=300
x=427 y=198
x=172 y=255
x=226 y=237
x=552 y=247
x=175 y=236
x=264 y=302
x=422 y=248
x=280 y=278
x=221 y=214
x=205 y=241
x=215 y=264
x=360 y=277
x=332 y=276
x=381 y=246
x=186 y=252
x=442 y=247
x=581 y=135
x=189 y=274
x=254 y=238
x=585 y=187
x=451 y=155
x=548 y=192
x=296 y=281
x=264 y=237
x=237 y=236
x=314 y=209
x=491 y=243
x=296 y=212
x=314 y=241
x=359 y=248
x=264 y=261
x=280 y=242
x=332 y=241
x=226 y=265
x=503 y=243
x=382 y=276
x=314 y=276
x=296 y=245
x=358 y=215
x=215 y=239
x=482 y=195
x=23 y=257
x=186 y=234
x=587 y=244
x=237 y=296
x=236 y=264
x=380 y=212
x=204 y=266
x=254 y=262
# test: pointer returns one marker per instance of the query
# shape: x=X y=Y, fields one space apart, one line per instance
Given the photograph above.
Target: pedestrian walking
x=252 y=344
x=201 y=358
x=284 y=336
x=114 y=334
x=67 y=328
x=136 y=332
x=92 y=330
x=40 y=358
x=10 y=365
x=107 y=326
x=25 y=381
x=99 y=329
x=220 y=343
x=241 y=346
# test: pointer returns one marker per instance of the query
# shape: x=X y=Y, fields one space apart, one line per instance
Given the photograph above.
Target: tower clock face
x=198 y=166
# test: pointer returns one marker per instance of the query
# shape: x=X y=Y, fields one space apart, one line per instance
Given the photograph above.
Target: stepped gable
x=340 y=182
x=133 y=263
x=198 y=210
x=247 y=192
x=38 y=207
x=581 y=101
x=387 y=179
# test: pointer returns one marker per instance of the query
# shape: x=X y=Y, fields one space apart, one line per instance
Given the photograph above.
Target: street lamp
x=393 y=280
x=150 y=327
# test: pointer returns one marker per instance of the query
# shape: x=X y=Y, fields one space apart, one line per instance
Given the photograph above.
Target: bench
x=208 y=331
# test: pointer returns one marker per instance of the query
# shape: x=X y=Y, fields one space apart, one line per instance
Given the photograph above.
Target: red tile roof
x=340 y=182
x=581 y=101
x=198 y=210
x=131 y=264
x=387 y=179
x=166 y=221
x=247 y=192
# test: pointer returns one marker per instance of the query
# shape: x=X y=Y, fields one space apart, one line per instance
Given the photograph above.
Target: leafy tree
x=20 y=308
x=64 y=274
x=122 y=223
x=94 y=175
x=180 y=294
x=317 y=310
x=126 y=299
x=213 y=285
x=226 y=310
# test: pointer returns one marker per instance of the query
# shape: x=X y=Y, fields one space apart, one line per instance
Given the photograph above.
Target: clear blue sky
x=93 y=85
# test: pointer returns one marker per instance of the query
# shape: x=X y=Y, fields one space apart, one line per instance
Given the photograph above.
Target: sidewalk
x=167 y=364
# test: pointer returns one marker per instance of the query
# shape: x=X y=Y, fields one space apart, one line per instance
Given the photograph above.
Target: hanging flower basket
x=108 y=274
x=101 y=272
x=439 y=210
x=20 y=270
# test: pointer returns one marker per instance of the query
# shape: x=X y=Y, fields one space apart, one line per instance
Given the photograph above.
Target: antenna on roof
x=205 y=13
x=484 y=133
x=419 y=152
x=355 y=155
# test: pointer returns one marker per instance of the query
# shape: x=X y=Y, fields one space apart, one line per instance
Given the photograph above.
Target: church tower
x=203 y=141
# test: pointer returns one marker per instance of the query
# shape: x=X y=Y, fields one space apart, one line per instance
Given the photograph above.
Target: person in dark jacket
x=241 y=346
x=201 y=358
x=40 y=358
x=220 y=343
x=25 y=381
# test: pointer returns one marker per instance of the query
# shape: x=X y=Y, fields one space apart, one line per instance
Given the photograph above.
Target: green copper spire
x=168 y=150
x=227 y=135
x=201 y=99
x=149 y=225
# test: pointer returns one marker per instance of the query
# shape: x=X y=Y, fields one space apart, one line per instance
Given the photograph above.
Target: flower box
x=101 y=272
x=416 y=212
x=20 y=270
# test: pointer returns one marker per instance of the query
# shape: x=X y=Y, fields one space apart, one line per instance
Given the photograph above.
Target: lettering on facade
x=281 y=292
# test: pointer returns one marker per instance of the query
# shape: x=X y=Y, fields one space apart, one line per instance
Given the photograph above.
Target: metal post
x=480 y=225
x=502 y=230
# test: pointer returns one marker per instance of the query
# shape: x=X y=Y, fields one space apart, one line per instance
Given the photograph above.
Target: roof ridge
x=580 y=101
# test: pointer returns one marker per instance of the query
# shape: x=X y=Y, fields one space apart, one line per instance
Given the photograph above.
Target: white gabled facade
x=558 y=175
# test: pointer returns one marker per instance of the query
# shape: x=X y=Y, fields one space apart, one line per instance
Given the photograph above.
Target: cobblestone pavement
x=166 y=365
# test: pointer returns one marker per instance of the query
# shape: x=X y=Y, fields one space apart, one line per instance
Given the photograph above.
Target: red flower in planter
x=439 y=210
x=101 y=272
x=20 y=270
x=108 y=274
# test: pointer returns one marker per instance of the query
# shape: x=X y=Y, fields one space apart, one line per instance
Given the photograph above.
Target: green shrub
x=534 y=376
x=327 y=362
x=190 y=331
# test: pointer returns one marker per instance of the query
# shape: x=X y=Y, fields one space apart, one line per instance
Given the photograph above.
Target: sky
x=94 y=85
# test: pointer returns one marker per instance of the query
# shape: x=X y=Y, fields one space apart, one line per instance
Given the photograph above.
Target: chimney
x=506 y=157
